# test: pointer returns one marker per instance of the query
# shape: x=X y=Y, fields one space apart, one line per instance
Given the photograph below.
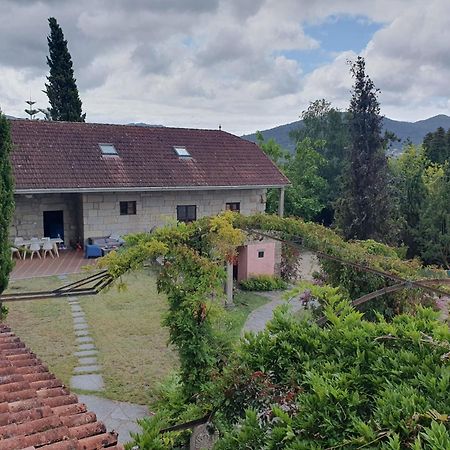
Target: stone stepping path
x=87 y=375
x=118 y=416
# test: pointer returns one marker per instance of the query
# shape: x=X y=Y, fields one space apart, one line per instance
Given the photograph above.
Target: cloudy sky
x=244 y=64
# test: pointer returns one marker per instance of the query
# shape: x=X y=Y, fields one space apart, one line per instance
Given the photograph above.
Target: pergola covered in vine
x=193 y=274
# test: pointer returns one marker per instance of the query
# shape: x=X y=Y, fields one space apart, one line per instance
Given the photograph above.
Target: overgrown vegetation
x=352 y=384
x=263 y=283
x=6 y=206
x=340 y=177
x=192 y=277
x=296 y=385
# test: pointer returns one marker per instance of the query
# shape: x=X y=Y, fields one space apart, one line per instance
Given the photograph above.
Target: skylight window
x=108 y=149
x=181 y=151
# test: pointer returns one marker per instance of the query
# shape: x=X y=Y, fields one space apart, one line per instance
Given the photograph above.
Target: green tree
x=307 y=195
x=325 y=124
x=408 y=170
x=271 y=148
x=62 y=91
x=6 y=203
x=437 y=146
x=434 y=228
x=279 y=156
x=363 y=209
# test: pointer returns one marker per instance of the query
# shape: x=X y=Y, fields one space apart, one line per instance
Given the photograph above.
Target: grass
x=126 y=328
x=45 y=326
x=245 y=303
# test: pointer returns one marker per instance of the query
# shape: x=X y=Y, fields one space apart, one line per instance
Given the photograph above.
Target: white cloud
x=205 y=62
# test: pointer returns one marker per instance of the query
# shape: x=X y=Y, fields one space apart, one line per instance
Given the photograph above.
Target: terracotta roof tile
x=37 y=411
x=66 y=155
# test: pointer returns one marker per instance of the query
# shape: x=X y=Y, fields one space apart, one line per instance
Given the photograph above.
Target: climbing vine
x=370 y=254
x=191 y=274
x=190 y=260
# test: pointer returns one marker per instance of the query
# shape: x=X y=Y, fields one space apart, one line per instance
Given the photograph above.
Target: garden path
x=87 y=377
x=257 y=319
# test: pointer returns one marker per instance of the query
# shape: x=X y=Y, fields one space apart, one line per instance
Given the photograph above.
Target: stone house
x=82 y=180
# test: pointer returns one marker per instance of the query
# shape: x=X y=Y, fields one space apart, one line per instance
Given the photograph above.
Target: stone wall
x=28 y=220
x=101 y=212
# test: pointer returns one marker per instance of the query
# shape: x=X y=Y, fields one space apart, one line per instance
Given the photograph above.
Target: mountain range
x=414 y=131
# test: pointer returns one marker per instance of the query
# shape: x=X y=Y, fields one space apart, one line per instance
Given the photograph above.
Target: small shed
x=257 y=258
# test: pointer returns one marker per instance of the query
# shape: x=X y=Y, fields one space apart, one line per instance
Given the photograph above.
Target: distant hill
x=414 y=131
x=147 y=125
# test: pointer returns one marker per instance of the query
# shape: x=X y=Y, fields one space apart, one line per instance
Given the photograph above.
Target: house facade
x=80 y=180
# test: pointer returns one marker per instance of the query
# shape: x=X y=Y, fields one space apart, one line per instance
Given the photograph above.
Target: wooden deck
x=69 y=261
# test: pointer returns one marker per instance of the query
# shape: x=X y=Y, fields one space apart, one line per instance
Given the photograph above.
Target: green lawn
x=126 y=328
x=45 y=326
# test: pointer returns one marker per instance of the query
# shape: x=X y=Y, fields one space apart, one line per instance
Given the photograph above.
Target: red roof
x=67 y=156
x=37 y=411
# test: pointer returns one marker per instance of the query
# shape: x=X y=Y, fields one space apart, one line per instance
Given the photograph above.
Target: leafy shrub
x=263 y=283
x=172 y=408
x=290 y=262
x=369 y=254
x=353 y=384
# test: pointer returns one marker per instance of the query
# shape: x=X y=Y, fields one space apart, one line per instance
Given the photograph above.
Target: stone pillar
x=281 y=203
x=229 y=301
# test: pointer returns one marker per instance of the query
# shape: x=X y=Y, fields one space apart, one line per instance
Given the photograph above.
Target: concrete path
x=118 y=416
x=87 y=377
x=257 y=319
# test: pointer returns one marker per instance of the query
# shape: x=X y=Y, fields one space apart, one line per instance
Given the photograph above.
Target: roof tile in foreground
x=37 y=411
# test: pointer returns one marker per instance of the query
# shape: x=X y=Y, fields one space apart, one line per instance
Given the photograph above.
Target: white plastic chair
x=18 y=241
x=35 y=247
x=20 y=245
x=47 y=247
x=14 y=251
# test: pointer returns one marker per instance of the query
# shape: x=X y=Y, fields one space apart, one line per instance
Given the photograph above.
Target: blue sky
x=335 y=35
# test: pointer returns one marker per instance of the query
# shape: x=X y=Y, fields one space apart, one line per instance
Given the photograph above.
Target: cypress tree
x=363 y=210
x=6 y=203
x=437 y=146
x=437 y=149
x=62 y=91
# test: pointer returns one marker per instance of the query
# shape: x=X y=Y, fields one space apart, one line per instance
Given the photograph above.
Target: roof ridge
x=127 y=125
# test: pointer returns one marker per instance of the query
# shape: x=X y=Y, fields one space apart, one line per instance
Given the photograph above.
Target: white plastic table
x=55 y=241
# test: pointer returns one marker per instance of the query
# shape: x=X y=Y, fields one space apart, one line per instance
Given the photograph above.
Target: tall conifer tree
x=6 y=202
x=364 y=211
x=62 y=91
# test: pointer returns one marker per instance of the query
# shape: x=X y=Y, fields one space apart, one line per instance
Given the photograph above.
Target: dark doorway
x=235 y=271
x=54 y=224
